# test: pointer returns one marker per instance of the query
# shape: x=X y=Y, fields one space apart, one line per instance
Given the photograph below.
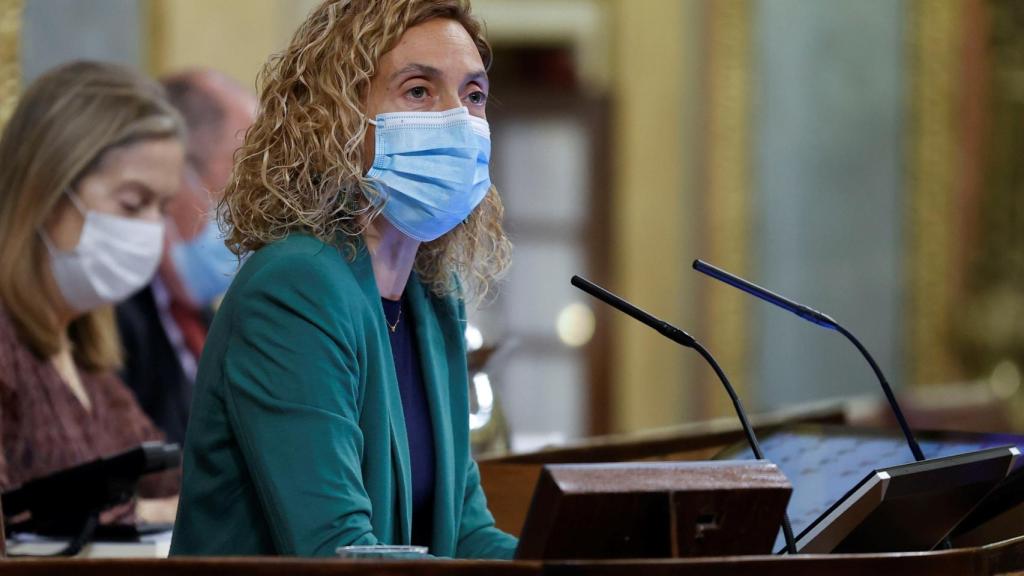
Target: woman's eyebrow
x=144 y=190
x=479 y=76
x=421 y=69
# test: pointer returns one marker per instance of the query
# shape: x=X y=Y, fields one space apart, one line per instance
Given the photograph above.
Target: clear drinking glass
x=383 y=552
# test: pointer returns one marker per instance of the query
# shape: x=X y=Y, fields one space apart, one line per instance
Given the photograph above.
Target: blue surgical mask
x=431 y=169
x=204 y=265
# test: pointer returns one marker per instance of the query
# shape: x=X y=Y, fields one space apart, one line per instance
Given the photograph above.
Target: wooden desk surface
x=996 y=559
x=265 y=566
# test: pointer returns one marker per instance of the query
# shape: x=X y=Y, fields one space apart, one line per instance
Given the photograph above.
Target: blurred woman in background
x=88 y=160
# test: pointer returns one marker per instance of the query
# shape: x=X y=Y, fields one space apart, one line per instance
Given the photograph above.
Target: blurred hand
x=156 y=510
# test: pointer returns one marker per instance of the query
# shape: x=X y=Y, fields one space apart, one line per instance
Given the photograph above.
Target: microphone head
x=709 y=269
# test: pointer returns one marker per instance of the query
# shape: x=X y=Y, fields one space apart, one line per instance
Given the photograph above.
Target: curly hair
x=301 y=165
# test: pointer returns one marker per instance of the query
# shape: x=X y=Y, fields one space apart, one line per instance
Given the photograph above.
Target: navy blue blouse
x=418 y=424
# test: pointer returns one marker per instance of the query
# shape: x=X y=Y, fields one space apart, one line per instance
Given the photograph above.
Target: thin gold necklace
x=392 y=327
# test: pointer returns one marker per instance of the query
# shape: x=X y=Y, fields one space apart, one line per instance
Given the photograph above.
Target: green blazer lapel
x=434 y=362
x=363 y=269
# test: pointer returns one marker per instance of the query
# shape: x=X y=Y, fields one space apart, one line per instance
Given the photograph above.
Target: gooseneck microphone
x=680 y=337
x=823 y=320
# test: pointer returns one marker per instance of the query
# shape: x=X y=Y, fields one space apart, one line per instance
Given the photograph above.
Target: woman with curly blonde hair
x=331 y=404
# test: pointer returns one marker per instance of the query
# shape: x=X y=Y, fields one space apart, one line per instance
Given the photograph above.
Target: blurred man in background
x=163 y=327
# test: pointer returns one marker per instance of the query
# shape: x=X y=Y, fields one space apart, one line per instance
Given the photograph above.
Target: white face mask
x=114 y=258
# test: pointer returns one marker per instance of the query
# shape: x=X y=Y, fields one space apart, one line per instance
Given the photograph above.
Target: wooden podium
x=509 y=483
x=648 y=510
x=509 y=480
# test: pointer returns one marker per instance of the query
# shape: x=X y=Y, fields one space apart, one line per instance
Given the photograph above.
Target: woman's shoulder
x=301 y=245
x=10 y=342
x=7 y=329
x=297 y=273
x=298 y=260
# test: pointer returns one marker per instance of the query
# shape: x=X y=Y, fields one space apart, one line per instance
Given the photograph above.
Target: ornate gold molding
x=935 y=36
x=990 y=338
x=648 y=199
x=10 y=68
x=155 y=47
x=728 y=180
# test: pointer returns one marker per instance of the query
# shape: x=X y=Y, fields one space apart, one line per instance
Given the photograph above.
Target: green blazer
x=296 y=443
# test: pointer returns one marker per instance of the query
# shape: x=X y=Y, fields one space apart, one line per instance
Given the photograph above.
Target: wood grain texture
x=997 y=559
x=654 y=510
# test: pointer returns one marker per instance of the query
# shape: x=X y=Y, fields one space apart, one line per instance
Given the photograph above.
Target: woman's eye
x=131 y=209
x=477 y=97
x=417 y=92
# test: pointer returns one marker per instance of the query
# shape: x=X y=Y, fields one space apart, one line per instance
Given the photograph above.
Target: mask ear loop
x=79 y=206
x=47 y=242
x=194 y=179
x=76 y=202
x=171 y=228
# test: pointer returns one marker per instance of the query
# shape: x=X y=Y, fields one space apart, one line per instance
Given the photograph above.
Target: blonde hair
x=63 y=125
x=301 y=166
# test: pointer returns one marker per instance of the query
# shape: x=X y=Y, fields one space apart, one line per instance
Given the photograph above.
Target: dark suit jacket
x=152 y=369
